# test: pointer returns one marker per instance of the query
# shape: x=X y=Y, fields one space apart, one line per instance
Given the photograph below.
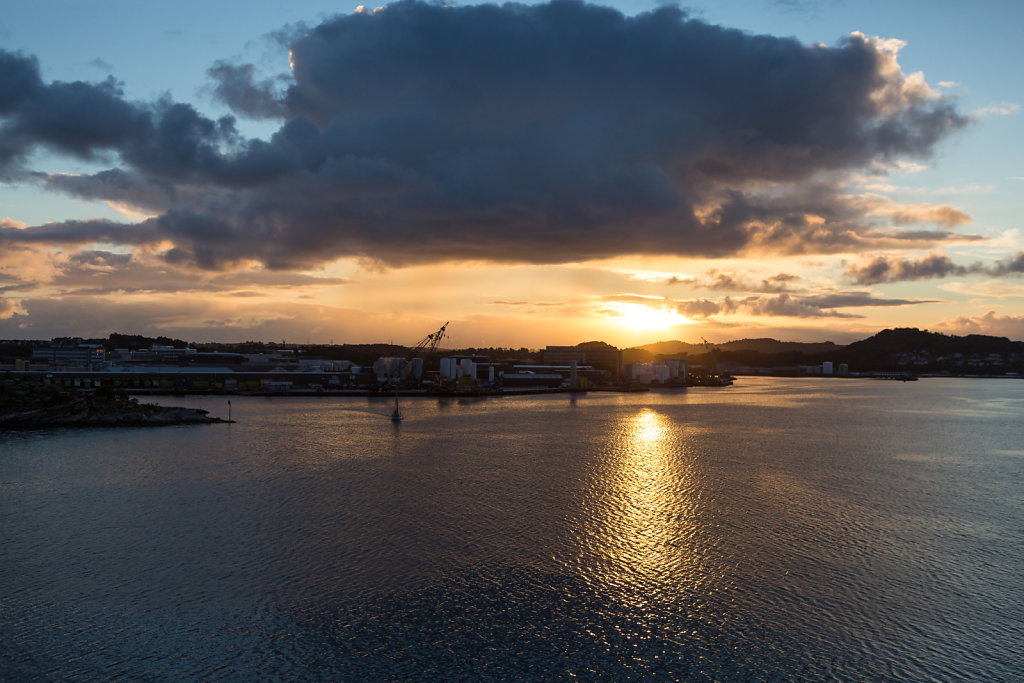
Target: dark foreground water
x=773 y=530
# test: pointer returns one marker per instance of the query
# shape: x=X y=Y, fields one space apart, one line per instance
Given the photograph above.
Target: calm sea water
x=774 y=530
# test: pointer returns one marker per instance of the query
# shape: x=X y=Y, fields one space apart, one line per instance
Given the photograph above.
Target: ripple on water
x=686 y=536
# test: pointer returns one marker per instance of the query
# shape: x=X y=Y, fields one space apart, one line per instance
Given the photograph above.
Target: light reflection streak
x=638 y=539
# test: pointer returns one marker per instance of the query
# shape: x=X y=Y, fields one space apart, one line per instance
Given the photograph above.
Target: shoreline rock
x=27 y=403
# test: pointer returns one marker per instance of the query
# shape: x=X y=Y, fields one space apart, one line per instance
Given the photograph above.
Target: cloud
x=82 y=232
x=15 y=285
x=80 y=119
x=815 y=306
x=887 y=269
x=52 y=317
x=7 y=308
x=986 y=289
x=933 y=265
x=1010 y=266
x=101 y=261
x=235 y=85
x=815 y=218
x=732 y=281
x=702 y=308
x=529 y=303
x=117 y=185
x=36 y=270
x=1011 y=326
x=856 y=300
x=224 y=319
x=783 y=304
x=545 y=133
x=790 y=307
x=998 y=109
x=98 y=273
x=101 y=64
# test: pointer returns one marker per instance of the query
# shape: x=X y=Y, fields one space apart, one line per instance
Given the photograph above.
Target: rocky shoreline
x=28 y=403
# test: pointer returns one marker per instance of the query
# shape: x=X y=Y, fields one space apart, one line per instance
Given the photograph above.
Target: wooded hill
x=895 y=349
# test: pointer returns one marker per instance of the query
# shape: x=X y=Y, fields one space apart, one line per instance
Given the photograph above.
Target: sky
x=543 y=173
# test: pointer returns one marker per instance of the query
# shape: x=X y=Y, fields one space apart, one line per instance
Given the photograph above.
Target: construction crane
x=424 y=347
x=711 y=352
x=429 y=343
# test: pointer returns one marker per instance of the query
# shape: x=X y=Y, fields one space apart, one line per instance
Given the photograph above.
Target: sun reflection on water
x=639 y=536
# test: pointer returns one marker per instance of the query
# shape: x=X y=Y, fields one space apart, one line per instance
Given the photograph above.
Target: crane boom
x=429 y=343
x=711 y=350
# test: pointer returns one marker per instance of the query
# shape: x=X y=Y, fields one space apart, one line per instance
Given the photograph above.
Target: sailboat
x=396 y=415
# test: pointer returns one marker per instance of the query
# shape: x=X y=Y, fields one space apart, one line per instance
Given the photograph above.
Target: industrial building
x=595 y=354
x=71 y=355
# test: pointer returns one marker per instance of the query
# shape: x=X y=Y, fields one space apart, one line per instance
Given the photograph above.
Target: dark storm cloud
x=236 y=86
x=81 y=232
x=116 y=185
x=162 y=141
x=80 y=119
x=933 y=265
x=545 y=133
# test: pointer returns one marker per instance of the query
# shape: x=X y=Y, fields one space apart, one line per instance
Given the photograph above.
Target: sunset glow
x=646 y=318
x=339 y=181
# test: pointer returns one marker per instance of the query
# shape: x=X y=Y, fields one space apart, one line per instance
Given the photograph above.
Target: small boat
x=396 y=415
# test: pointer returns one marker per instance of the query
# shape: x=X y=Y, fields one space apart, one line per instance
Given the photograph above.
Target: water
x=774 y=530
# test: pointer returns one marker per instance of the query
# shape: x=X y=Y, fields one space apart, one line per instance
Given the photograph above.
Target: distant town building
x=596 y=354
x=668 y=371
x=71 y=355
x=156 y=353
x=390 y=368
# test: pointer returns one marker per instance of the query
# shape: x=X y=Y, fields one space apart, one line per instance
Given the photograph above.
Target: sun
x=645 y=318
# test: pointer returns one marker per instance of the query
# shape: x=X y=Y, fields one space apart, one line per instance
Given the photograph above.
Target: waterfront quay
x=162 y=369
x=187 y=381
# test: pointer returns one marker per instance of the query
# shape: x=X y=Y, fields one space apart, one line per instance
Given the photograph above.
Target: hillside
x=762 y=345
x=910 y=347
x=890 y=349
